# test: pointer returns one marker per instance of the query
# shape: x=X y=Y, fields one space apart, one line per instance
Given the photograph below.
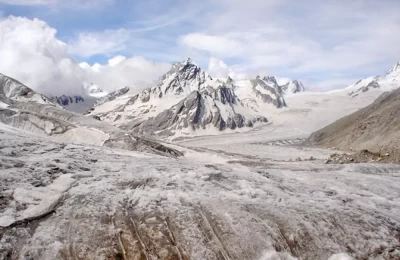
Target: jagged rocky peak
x=395 y=68
x=229 y=81
x=268 y=90
x=207 y=109
x=183 y=78
x=271 y=80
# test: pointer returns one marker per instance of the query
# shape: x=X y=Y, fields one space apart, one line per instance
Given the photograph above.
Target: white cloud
x=136 y=72
x=107 y=42
x=31 y=53
x=218 y=68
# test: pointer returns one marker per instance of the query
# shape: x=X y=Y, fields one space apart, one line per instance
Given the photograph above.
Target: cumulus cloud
x=136 y=72
x=31 y=53
x=218 y=68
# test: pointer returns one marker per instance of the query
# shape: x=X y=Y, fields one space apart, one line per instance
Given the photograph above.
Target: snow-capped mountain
x=184 y=99
x=388 y=82
x=395 y=70
x=206 y=109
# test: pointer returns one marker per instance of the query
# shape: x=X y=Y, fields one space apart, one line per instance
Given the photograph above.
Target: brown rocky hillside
x=375 y=128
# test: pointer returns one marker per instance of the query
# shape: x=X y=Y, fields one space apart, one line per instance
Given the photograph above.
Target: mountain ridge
x=175 y=88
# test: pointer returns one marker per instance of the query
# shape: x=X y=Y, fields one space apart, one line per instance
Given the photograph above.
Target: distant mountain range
x=186 y=100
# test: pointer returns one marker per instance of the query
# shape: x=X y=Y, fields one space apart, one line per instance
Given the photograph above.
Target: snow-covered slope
x=15 y=90
x=184 y=99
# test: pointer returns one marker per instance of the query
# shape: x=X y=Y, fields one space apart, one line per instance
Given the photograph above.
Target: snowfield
x=251 y=200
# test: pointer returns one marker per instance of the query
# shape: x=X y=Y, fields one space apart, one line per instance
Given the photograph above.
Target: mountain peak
x=183 y=78
x=188 y=61
x=395 y=68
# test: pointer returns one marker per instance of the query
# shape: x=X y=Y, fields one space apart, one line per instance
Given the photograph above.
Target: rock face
x=375 y=127
x=23 y=108
x=183 y=100
x=268 y=90
x=215 y=108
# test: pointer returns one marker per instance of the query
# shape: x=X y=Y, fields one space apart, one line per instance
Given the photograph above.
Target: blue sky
x=327 y=44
